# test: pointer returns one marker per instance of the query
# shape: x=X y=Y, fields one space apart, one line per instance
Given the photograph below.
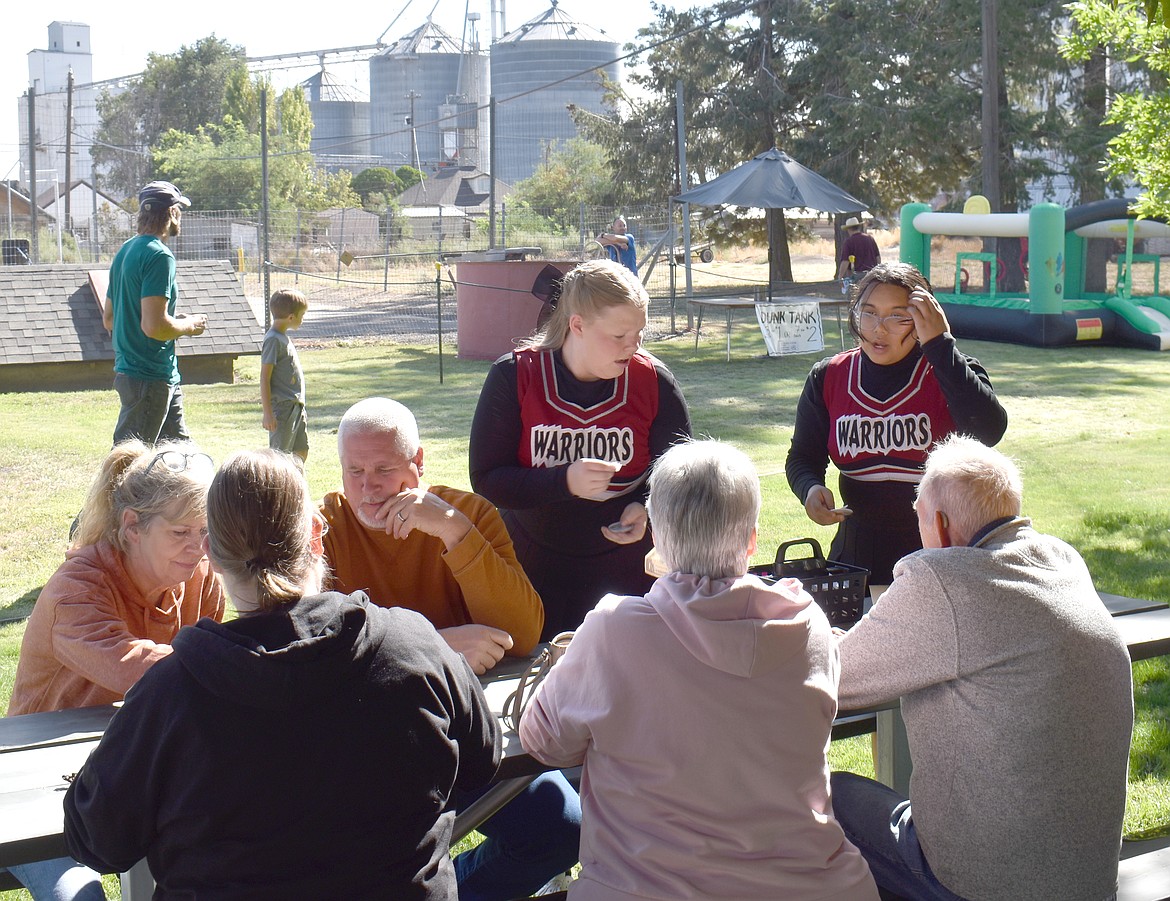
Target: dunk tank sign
x=791 y=328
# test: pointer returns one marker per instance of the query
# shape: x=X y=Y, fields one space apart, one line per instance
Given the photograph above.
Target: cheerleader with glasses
x=876 y=411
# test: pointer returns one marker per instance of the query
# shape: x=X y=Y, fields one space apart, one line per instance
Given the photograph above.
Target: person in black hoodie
x=308 y=749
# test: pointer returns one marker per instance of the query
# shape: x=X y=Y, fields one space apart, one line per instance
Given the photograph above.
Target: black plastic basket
x=838 y=588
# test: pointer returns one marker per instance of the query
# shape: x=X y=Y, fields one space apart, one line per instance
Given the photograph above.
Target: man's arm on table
x=906 y=642
x=495 y=589
x=505 y=611
x=502 y=610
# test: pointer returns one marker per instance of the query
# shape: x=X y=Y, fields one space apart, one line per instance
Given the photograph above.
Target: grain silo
x=538 y=71
x=425 y=97
x=341 y=120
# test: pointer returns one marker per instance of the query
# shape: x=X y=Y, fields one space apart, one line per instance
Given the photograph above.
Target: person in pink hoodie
x=701 y=713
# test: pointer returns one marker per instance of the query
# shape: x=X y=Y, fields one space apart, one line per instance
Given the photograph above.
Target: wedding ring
x=400 y=516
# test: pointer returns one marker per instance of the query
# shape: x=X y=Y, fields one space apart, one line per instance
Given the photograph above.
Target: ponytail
x=259 y=525
x=100 y=519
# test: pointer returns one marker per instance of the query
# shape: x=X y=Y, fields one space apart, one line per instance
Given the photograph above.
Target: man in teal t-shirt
x=140 y=315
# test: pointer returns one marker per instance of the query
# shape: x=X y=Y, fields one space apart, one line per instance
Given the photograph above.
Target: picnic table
x=38 y=751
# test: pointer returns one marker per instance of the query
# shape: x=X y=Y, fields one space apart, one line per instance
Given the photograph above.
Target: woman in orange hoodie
x=135 y=573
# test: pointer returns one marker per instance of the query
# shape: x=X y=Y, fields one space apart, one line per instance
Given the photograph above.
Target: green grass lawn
x=1090 y=427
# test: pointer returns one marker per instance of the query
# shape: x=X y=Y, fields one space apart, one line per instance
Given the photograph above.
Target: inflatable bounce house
x=1054 y=309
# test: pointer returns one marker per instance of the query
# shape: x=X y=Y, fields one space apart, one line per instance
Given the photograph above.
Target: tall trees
x=1133 y=32
x=575 y=173
x=194 y=117
x=180 y=92
x=219 y=164
x=880 y=96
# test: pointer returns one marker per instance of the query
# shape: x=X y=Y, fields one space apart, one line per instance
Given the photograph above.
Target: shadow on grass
x=1078 y=372
x=1127 y=553
x=20 y=609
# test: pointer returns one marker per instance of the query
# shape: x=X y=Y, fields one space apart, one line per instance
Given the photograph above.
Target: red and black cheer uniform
x=877 y=424
x=533 y=420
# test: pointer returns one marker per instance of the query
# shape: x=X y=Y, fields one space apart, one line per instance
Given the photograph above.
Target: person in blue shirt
x=619 y=245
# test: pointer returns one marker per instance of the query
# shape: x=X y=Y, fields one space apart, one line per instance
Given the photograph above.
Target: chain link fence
x=386 y=273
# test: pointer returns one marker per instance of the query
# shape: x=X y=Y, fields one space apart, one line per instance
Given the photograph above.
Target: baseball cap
x=161 y=192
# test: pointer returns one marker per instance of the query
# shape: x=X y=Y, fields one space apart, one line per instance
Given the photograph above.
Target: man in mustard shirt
x=447 y=554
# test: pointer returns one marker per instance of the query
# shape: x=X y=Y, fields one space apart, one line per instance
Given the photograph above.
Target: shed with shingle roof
x=52 y=338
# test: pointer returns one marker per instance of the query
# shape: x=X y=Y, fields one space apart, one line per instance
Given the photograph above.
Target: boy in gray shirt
x=282 y=383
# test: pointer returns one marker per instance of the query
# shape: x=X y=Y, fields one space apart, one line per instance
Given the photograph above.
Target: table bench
x=1144 y=875
x=56 y=743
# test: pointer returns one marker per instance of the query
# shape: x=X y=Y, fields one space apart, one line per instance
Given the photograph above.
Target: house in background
x=14 y=202
x=87 y=205
x=432 y=223
x=346 y=228
x=52 y=337
x=449 y=202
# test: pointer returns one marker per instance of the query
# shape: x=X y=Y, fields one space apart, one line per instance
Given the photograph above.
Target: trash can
x=495 y=303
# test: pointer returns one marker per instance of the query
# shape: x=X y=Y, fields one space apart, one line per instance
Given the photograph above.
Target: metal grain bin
x=413 y=83
x=529 y=64
x=341 y=118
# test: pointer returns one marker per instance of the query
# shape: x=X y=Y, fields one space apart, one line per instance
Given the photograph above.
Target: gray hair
x=704 y=503
x=381 y=416
x=971 y=484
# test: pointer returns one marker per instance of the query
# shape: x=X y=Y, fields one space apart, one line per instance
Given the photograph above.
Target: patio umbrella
x=773 y=181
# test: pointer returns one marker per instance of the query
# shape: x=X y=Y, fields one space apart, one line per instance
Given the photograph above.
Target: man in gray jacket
x=1017 y=695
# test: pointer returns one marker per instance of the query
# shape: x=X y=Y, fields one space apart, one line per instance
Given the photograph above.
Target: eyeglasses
x=178 y=461
x=869 y=322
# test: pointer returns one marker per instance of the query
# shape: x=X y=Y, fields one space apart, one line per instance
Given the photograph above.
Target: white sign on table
x=791 y=328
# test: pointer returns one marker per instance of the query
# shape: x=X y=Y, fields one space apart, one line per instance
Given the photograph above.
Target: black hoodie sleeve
x=966 y=385
x=808 y=454
x=475 y=728
x=111 y=807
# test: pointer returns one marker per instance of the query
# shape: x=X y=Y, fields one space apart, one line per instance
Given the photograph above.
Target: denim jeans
x=151 y=410
x=533 y=838
x=878 y=821
x=62 y=879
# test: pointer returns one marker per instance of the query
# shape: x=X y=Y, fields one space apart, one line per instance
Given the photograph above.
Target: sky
x=121 y=36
